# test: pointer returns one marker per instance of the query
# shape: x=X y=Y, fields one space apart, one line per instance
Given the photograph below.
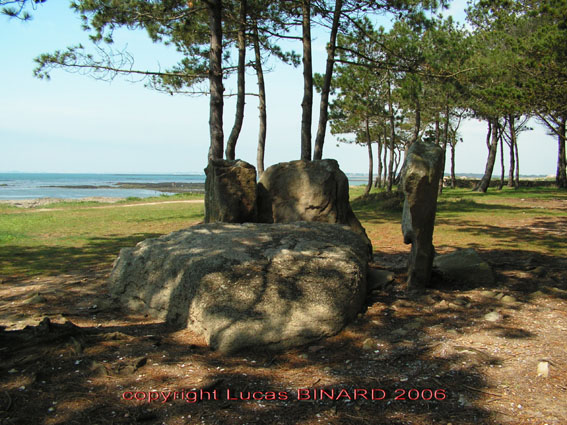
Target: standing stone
x=230 y=192
x=420 y=183
x=307 y=191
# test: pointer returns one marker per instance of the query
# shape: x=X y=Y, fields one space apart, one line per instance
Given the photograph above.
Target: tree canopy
x=393 y=87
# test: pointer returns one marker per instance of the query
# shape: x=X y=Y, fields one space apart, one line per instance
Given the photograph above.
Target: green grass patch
x=129 y=200
x=77 y=237
x=506 y=192
x=528 y=219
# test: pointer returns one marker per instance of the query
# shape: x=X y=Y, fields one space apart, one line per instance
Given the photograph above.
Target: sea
x=16 y=186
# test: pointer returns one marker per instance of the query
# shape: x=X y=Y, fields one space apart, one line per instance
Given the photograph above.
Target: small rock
x=140 y=362
x=488 y=294
x=315 y=348
x=543 y=369
x=99 y=369
x=378 y=279
x=539 y=271
x=13 y=371
x=411 y=326
x=493 y=316
x=399 y=332
x=555 y=291
x=36 y=299
x=76 y=346
x=428 y=299
x=114 y=336
x=464 y=267
x=463 y=401
x=508 y=299
x=369 y=344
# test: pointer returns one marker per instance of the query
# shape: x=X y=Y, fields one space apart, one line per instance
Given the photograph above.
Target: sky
x=76 y=124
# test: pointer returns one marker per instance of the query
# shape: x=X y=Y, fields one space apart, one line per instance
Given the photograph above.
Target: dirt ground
x=455 y=355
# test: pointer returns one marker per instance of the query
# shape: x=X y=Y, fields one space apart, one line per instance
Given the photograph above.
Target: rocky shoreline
x=42 y=202
x=168 y=187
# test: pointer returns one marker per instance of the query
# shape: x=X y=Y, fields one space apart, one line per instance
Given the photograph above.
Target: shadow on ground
x=81 y=374
x=53 y=260
x=550 y=235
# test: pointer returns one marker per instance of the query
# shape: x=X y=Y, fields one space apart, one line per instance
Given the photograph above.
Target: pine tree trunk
x=378 y=181
x=324 y=106
x=240 y=99
x=400 y=161
x=511 y=126
x=453 y=177
x=385 y=161
x=392 y=138
x=561 y=175
x=215 y=78
x=493 y=148
x=437 y=130
x=417 y=126
x=517 y=154
x=488 y=134
x=307 y=103
x=445 y=141
x=370 y=159
x=262 y=103
x=502 y=171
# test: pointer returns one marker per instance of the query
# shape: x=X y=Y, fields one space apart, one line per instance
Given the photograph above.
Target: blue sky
x=74 y=123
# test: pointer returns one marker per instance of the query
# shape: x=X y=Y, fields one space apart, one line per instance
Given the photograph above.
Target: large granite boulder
x=248 y=285
x=307 y=191
x=420 y=184
x=230 y=192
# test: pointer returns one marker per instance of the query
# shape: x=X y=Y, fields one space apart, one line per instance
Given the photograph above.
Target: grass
x=75 y=236
x=528 y=219
x=78 y=236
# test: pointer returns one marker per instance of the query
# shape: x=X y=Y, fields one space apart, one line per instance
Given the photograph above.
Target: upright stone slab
x=307 y=191
x=230 y=192
x=248 y=285
x=420 y=183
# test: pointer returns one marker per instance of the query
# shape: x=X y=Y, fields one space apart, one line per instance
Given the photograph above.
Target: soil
x=454 y=355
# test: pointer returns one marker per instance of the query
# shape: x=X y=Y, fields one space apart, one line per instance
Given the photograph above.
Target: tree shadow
x=450 y=207
x=398 y=344
x=54 y=260
x=545 y=234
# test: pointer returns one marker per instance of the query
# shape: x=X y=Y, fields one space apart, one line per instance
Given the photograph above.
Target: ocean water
x=17 y=186
x=44 y=185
